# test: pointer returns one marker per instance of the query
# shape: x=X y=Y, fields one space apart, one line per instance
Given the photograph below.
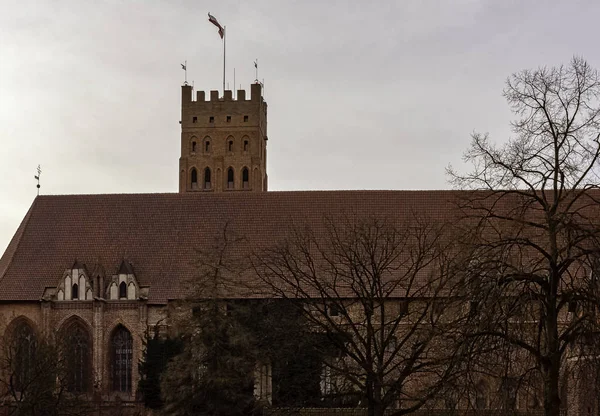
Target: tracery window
x=77 y=350
x=122 y=359
x=24 y=346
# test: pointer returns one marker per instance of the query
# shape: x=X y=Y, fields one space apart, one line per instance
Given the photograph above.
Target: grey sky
x=361 y=96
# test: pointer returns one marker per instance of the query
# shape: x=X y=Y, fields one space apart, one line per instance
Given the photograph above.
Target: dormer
x=75 y=284
x=123 y=285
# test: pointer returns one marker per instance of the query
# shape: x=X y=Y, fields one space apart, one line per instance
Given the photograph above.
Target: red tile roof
x=161 y=233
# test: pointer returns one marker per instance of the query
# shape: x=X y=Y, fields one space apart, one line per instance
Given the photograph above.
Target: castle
x=102 y=270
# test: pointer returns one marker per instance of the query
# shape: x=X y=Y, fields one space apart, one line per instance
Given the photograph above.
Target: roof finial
x=39 y=173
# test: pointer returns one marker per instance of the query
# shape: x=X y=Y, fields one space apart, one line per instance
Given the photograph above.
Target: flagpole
x=224 y=42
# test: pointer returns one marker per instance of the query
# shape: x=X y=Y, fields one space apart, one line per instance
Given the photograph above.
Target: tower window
x=194 y=178
x=245 y=145
x=245 y=179
x=123 y=290
x=194 y=146
x=194 y=119
x=211 y=119
x=245 y=119
x=230 y=178
x=207 y=146
x=207 y=178
x=229 y=119
x=75 y=292
x=230 y=146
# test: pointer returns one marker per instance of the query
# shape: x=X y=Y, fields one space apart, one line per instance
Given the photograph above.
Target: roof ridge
x=11 y=250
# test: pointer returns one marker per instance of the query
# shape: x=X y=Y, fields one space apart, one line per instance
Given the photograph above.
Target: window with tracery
x=122 y=359
x=24 y=346
x=77 y=350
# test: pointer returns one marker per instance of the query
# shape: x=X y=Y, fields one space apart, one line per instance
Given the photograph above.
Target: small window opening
x=230 y=146
x=194 y=178
x=75 y=292
x=207 y=146
x=229 y=119
x=207 y=178
x=245 y=179
x=211 y=119
x=230 y=178
x=193 y=146
x=245 y=119
x=334 y=310
x=122 y=291
x=194 y=119
x=245 y=145
x=403 y=308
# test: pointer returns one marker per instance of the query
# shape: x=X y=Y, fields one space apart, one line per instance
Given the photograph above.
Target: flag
x=183 y=67
x=215 y=22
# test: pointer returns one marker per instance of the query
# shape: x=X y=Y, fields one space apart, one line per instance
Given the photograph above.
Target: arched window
x=230 y=146
x=194 y=178
x=230 y=178
x=245 y=178
x=194 y=147
x=77 y=349
x=246 y=145
x=207 y=146
x=75 y=291
x=123 y=290
x=23 y=350
x=121 y=359
x=207 y=178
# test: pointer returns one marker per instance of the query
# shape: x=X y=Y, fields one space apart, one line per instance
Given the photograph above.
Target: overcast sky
x=361 y=95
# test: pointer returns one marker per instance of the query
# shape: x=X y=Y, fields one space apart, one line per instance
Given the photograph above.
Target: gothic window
x=245 y=145
x=75 y=291
x=194 y=178
x=245 y=119
x=24 y=345
x=122 y=359
x=193 y=147
x=207 y=146
x=230 y=178
x=245 y=178
x=230 y=146
x=207 y=178
x=77 y=350
x=228 y=119
x=123 y=290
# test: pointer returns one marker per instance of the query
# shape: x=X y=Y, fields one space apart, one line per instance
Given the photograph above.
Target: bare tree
x=532 y=224
x=378 y=292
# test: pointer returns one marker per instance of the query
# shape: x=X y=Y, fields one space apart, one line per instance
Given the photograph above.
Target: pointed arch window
x=246 y=145
x=75 y=291
x=207 y=146
x=121 y=359
x=245 y=178
x=194 y=146
x=207 y=179
x=230 y=146
x=77 y=350
x=23 y=347
x=123 y=290
x=230 y=178
x=194 y=178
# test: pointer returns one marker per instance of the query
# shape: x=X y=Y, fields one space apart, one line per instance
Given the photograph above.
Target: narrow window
x=230 y=146
x=211 y=119
x=207 y=178
x=122 y=291
x=229 y=119
x=245 y=179
x=122 y=359
x=194 y=178
x=78 y=353
x=245 y=145
x=23 y=348
x=230 y=178
x=245 y=119
x=194 y=119
x=193 y=147
x=75 y=291
x=207 y=146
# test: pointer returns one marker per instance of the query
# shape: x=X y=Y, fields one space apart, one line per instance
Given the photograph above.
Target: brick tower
x=223 y=142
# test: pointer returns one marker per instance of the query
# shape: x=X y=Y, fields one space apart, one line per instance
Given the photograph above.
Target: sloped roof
x=160 y=234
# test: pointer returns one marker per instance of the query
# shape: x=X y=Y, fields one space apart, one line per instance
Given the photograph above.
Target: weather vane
x=39 y=173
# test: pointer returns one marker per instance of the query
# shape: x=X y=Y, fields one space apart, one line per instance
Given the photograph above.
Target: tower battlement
x=223 y=141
